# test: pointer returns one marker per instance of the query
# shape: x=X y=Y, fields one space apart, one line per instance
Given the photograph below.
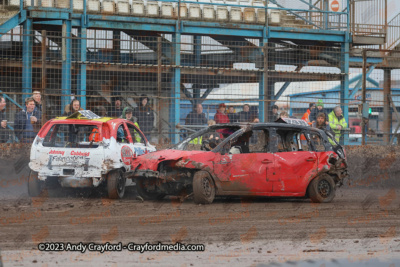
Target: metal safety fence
x=162 y=82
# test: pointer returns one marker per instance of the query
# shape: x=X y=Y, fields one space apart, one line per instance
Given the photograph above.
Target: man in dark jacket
x=38 y=99
x=27 y=122
x=232 y=115
x=245 y=115
x=3 y=121
x=196 y=117
x=145 y=116
x=116 y=109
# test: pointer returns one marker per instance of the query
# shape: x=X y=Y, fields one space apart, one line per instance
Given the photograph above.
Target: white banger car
x=85 y=150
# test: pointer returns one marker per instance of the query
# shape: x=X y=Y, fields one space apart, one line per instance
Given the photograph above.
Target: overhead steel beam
x=357 y=87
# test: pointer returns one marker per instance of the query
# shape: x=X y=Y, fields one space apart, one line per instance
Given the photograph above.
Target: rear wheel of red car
x=203 y=188
x=115 y=184
x=142 y=190
x=322 y=189
x=35 y=186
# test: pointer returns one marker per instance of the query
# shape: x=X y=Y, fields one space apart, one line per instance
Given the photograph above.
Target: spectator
x=196 y=117
x=127 y=114
x=232 y=115
x=3 y=120
x=75 y=106
x=275 y=114
x=283 y=115
x=116 y=109
x=37 y=97
x=220 y=116
x=256 y=120
x=306 y=116
x=27 y=122
x=337 y=122
x=316 y=111
x=321 y=122
x=245 y=115
x=145 y=116
x=101 y=111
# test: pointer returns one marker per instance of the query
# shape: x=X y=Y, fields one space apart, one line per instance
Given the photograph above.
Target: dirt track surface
x=362 y=223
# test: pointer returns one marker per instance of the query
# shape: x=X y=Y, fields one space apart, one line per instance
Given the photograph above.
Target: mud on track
x=363 y=222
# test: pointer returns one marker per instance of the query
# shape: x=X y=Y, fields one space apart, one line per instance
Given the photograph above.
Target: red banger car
x=287 y=159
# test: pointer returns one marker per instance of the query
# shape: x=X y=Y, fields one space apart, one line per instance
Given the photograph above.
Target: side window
x=137 y=137
x=122 y=136
x=259 y=141
x=304 y=143
x=317 y=141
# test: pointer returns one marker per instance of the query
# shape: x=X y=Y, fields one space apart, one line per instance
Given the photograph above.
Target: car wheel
x=322 y=189
x=35 y=186
x=141 y=188
x=115 y=184
x=203 y=188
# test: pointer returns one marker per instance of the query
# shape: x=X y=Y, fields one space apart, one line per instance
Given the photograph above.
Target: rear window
x=72 y=136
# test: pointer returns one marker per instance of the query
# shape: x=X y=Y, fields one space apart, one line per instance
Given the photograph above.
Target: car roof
x=261 y=125
x=85 y=120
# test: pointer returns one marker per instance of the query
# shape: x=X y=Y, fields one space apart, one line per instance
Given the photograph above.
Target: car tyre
x=145 y=194
x=35 y=186
x=203 y=188
x=115 y=184
x=322 y=189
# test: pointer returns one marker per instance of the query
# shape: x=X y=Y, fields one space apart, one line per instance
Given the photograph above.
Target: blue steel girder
x=12 y=22
x=82 y=44
x=344 y=89
x=359 y=83
x=176 y=86
x=11 y=100
x=66 y=64
x=27 y=55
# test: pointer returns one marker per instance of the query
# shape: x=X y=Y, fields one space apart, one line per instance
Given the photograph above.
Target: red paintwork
x=263 y=174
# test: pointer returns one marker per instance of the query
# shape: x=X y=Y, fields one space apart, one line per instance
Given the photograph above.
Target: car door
x=138 y=141
x=295 y=161
x=248 y=173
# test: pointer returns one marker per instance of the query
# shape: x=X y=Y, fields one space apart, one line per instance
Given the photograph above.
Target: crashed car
x=281 y=159
x=83 y=151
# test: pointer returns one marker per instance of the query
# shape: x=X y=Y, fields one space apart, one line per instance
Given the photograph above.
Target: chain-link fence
x=112 y=71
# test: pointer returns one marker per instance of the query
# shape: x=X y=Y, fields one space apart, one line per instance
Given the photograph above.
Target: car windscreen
x=72 y=136
x=206 y=139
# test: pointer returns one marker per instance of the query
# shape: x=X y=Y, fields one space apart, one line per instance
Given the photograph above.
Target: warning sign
x=334 y=5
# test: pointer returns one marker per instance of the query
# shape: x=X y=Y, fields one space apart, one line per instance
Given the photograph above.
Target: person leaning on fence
x=75 y=106
x=196 y=117
x=27 y=122
x=317 y=110
x=37 y=97
x=337 y=122
x=306 y=115
x=221 y=117
x=3 y=119
x=145 y=116
x=321 y=122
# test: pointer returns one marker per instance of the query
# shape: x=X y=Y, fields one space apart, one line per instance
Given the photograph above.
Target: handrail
x=393 y=32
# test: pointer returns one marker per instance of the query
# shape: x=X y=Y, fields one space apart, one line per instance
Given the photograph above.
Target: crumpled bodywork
x=265 y=173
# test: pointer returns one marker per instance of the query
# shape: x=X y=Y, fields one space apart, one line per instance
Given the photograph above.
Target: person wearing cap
x=3 y=119
x=127 y=114
x=116 y=109
x=220 y=116
x=317 y=110
x=306 y=116
x=37 y=97
x=145 y=116
x=275 y=113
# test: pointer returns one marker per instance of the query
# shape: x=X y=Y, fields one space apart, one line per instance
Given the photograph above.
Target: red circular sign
x=126 y=155
x=335 y=6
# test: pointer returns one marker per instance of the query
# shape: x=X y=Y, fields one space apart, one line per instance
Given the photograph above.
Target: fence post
x=44 y=76
x=27 y=59
x=386 y=105
x=66 y=64
x=364 y=89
